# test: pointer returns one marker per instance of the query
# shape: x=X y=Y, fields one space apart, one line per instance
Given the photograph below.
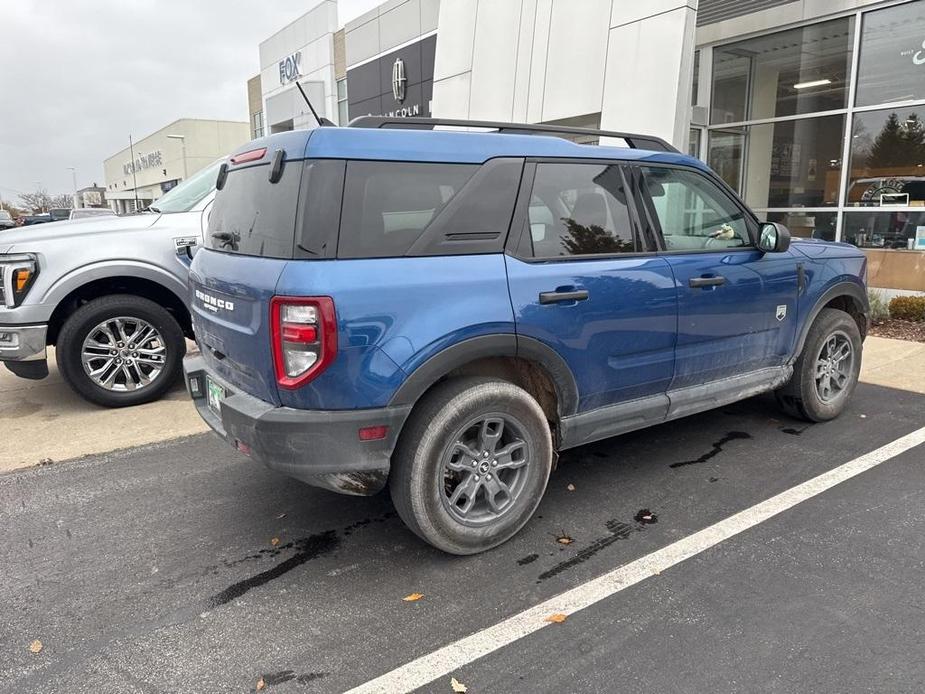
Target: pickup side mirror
x=774 y=238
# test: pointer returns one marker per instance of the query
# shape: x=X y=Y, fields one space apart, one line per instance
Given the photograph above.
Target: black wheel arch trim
x=484 y=346
x=849 y=289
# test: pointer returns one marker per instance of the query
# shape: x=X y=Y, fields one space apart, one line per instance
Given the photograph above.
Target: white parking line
x=448 y=659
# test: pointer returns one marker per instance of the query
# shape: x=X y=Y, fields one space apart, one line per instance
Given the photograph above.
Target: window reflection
x=888 y=159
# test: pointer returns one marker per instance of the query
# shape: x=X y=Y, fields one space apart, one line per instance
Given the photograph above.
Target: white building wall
x=628 y=64
x=311 y=35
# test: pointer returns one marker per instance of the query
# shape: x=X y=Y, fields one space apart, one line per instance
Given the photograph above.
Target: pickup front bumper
x=322 y=448
x=22 y=349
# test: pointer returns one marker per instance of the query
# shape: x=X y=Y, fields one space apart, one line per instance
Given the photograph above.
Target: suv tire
x=471 y=464
x=163 y=352
x=826 y=372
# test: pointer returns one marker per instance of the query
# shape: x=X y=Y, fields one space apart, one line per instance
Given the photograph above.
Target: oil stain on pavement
x=617 y=530
x=716 y=450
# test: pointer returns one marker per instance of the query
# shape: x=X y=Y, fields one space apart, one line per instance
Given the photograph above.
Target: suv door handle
x=715 y=281
x=556 y=297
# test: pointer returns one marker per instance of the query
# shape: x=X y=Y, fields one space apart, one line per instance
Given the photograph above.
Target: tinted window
x=579 y=209
x=693 y=212
x=389 y=205
x=253 y=216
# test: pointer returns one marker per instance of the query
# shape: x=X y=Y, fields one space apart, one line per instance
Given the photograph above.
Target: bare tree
x=41 y=201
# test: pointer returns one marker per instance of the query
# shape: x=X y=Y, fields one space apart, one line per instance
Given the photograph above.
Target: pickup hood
x=25 y=238
x=816 y=248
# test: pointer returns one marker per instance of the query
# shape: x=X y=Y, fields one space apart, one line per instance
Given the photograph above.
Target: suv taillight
x=304 y=337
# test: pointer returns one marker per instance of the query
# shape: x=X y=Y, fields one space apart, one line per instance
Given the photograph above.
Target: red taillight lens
x=304 y=337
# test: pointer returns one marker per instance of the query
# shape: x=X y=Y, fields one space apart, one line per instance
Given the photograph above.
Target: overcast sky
x=77 y=76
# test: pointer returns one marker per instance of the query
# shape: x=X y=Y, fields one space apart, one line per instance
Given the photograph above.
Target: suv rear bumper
x=319 y=447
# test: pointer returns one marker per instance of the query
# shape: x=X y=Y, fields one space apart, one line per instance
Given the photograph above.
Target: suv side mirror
x=775 y=238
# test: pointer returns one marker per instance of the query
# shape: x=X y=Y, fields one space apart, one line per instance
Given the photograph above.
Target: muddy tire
x=120 y=350
x=826 y=372
x=471 y=465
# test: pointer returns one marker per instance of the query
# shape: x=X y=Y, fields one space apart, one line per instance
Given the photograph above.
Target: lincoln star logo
x=399 y=80
x=781 y=312
x=213 y=304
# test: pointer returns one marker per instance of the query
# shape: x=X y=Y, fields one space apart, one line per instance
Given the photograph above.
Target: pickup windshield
x=190 y=192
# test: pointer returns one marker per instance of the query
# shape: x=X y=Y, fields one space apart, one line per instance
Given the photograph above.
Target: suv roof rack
x=633 y=140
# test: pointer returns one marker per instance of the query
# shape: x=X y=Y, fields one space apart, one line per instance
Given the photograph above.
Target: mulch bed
x=899 y=330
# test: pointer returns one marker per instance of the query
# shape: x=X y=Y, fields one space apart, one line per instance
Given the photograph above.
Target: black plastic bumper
x=319 y=447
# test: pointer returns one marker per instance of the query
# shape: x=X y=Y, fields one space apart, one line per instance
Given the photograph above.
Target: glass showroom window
x=880 y=229
x=892 y=61
x=804 y=70
x=806 y=224
x=790 y=163
x=887 y=158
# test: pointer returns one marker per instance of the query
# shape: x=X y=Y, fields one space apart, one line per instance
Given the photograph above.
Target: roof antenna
x=322 y=122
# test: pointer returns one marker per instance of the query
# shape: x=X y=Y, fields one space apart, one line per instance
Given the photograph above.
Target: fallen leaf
x=564 y=540
x=571 y=487
x=282 y=515
x=414 y=597
x=458 y=686
x=274 y=541
x=556 y=618
x=261 y=685
x=35 y=646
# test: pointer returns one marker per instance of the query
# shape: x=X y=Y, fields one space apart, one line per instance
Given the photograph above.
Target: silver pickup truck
x=108 y=293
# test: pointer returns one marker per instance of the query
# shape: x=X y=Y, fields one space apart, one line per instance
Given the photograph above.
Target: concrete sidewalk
x=44 y=420
x=894 y=364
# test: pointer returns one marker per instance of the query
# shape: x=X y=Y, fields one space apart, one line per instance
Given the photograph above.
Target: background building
x=91 y=196
x=812 y=110
x=166 y=157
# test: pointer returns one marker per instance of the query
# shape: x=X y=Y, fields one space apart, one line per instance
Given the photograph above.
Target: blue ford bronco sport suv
x=442 y=311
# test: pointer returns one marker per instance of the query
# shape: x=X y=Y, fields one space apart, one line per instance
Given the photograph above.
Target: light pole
x=74 y=181
x=38 y=188
x=182 y=140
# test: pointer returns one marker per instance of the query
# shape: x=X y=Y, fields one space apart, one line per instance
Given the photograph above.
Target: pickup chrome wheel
x=120 y=350
x=471 y=464
x=826 y=372
x=124 y=354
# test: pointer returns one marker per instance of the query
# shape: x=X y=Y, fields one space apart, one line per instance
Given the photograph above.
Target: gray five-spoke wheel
x=834 y=366
x=484 y=469
x=123 y=354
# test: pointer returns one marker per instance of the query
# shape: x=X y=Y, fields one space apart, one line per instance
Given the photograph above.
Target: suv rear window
x=388 y=205
x=252 y=216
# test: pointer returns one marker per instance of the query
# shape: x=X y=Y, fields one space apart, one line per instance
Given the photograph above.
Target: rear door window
x=579 y=209
x=389 y=205
x=252 y=216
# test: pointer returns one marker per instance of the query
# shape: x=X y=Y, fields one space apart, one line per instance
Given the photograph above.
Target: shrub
x=879 y=311
x=910 y=308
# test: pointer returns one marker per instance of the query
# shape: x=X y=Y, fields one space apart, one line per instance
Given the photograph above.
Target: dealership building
x=139 y=174
x=813 y=110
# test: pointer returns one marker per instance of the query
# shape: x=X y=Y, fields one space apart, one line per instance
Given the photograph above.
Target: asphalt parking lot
x=155 y=570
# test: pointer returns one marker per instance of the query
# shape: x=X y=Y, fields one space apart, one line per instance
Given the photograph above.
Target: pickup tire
x=826 y=372
x=124 y=373
x=471 y=464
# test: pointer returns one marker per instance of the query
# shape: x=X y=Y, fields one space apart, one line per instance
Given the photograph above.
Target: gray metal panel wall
x=711 y=11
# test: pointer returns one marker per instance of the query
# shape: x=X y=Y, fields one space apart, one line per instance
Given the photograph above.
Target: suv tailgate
x=230 y=301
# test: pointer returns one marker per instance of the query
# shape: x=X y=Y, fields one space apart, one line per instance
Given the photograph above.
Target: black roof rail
x=633 y=140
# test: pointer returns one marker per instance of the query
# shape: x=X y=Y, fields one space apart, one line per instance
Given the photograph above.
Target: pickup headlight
x=17 y=275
